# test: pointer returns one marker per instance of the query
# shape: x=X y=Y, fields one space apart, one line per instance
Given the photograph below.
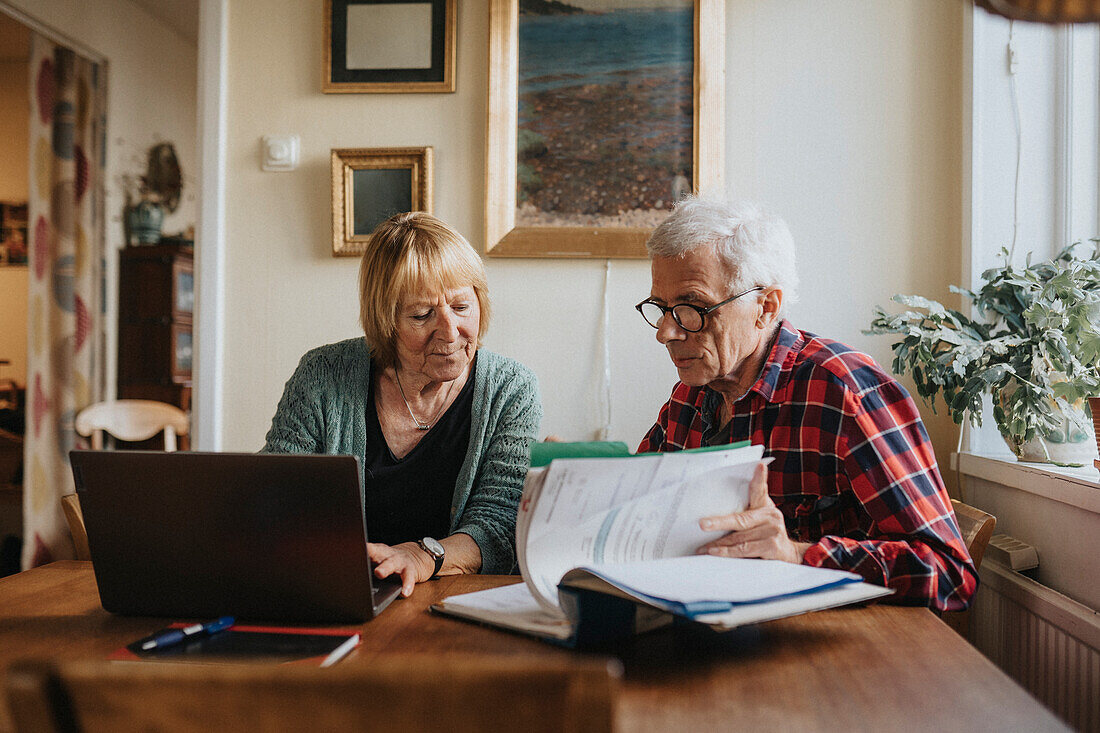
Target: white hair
x=756 y=246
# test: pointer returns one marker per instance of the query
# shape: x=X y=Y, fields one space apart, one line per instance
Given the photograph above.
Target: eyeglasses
x=687 y=316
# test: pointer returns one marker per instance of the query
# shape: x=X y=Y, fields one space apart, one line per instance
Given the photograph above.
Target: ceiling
x=180 y=15
x=15 y=40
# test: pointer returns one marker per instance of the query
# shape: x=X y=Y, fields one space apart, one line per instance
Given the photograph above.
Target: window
x=1034 y=147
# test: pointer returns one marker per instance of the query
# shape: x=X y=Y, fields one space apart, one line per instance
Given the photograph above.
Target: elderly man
x=854 y=483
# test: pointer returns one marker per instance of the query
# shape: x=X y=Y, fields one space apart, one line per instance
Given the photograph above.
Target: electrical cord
x=1012 y=62
x=605 y=430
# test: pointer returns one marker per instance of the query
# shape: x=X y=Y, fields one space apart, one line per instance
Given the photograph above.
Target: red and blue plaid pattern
x=854 y=471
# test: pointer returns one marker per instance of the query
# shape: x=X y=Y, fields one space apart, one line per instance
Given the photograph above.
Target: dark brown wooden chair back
x=977 y=528
x=400 y=694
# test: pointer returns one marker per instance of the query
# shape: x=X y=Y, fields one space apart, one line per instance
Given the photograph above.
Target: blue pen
x=171 y=637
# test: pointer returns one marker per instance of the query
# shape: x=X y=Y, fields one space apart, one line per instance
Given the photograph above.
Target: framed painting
x=388 y=46
x=369 y=185
x=13 y=233
x=602 y=113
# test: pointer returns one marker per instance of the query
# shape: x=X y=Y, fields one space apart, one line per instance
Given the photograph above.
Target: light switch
x=280 y=152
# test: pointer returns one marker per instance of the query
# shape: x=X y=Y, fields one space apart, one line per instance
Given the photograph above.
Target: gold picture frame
x=371 y=184
x=503 y=237
x=378 y=46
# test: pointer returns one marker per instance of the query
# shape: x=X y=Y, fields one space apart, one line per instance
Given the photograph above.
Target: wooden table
x=874 y=668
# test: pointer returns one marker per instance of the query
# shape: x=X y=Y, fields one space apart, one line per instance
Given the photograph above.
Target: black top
x=409 y=498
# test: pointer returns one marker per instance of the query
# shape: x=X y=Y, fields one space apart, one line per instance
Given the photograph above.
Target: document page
x=830 y=597
x=706 y=579
x=532 y=488
x=511 y=606
x=620 y=510
x=725 y=592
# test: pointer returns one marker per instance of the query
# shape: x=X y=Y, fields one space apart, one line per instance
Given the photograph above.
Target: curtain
x=65 y=340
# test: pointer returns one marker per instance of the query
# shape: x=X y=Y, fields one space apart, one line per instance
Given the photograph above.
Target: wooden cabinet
x=156 y=303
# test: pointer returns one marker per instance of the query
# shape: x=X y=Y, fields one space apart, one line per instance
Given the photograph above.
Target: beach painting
x=605 y=120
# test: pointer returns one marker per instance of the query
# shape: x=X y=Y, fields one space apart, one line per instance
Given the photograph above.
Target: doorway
x=149 y=49
x=15 y=43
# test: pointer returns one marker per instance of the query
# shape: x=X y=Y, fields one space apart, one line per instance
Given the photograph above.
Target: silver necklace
x=422 y=425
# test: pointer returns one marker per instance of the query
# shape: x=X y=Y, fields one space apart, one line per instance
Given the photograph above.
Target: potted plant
x=150 y=195
x=1035 y=351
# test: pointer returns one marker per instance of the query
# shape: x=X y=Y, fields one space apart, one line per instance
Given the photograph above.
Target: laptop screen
x=258 y=536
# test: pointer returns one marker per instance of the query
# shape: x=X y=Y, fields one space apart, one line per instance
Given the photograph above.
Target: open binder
x=606 y=549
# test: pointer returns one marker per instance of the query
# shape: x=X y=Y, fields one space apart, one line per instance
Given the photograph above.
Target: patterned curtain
x=65 y=358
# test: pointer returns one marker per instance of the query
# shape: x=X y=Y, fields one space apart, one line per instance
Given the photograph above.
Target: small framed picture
x=369 y=185
x=388 y=46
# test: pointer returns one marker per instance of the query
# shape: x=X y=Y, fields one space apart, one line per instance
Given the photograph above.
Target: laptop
x=257 y=536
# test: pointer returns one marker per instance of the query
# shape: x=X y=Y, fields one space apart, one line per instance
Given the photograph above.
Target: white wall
x=15 y=122
x=14 y=186
x=13 y=323
x=844 y=117
x=151 y=97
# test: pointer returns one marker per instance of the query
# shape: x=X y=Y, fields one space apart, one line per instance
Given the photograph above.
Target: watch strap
x=438 y=557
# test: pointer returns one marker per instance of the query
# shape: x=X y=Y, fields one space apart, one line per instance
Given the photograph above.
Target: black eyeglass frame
x=703 y=312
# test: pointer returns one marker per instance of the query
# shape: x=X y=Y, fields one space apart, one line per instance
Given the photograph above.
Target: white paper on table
x=511 y=606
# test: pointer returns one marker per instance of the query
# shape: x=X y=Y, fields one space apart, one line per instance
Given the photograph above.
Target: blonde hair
x=408 y=253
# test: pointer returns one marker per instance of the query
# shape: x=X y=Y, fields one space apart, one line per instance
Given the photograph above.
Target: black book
x=320 y=646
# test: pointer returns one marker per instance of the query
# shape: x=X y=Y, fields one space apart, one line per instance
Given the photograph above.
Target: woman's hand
x=759 y=531
x=407 y=560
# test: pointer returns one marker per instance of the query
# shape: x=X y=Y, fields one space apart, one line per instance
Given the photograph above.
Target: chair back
x=129 y=420
x=976 y=527
x=399 y=694
x=132 y=420
x=70 y=504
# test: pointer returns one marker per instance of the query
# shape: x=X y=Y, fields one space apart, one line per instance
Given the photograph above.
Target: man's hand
x=758 y=531
x=411 y=564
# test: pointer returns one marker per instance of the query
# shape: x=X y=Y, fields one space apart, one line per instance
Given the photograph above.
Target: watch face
x=432 y=545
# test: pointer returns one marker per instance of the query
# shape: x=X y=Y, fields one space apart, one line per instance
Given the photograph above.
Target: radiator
x=1047 y=642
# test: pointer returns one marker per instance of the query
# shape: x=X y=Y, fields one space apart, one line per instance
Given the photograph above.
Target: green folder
x=543 y=453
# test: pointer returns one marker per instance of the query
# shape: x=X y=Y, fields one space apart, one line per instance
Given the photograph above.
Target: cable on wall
x=605 y=373
x=1013 y=62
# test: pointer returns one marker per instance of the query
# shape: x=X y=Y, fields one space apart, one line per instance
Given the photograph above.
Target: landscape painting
x=604 y=133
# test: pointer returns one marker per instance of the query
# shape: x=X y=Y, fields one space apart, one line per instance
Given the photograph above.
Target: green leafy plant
x=1037 y=347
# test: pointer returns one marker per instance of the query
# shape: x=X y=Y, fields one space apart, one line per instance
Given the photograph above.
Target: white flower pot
x=1094 y=407
x=1073 y=444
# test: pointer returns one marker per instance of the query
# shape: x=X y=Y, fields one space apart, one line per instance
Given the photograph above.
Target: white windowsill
x=1077 y=487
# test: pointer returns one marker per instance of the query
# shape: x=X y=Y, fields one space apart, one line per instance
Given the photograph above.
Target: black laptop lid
x=257 y=536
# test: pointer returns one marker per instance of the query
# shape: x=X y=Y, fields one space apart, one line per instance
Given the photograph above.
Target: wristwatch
x=435 y=551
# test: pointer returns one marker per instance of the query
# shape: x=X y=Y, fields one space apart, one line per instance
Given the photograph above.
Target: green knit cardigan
x=323 y=410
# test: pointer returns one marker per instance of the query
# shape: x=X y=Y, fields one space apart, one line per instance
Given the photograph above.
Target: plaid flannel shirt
x=854 y=471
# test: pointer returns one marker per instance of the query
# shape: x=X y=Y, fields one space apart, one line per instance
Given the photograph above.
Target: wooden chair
x=976 y=527
x=457 y=693
x=128 y=420
x=70 y=504
x=132 y=420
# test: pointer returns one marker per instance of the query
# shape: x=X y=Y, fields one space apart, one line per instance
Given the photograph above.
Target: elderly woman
x=442 y=427
x=854 y=483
